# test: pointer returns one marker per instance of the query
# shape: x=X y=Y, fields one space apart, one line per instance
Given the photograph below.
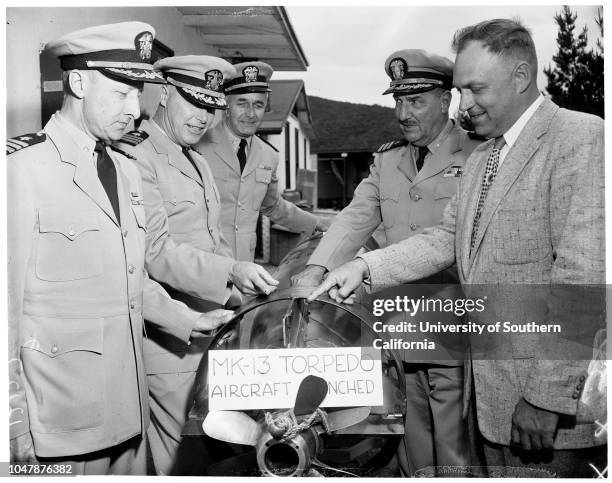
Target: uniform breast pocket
x=445 y=189
x=177 y=196
x=68 y=244
x=64 y=370
x=263 y=177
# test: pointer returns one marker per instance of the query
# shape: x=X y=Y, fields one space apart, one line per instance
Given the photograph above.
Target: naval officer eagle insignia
x=391 y=145
x=15 y=144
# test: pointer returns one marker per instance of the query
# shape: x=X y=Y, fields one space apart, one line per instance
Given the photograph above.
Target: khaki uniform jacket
x=78 y=291
x=244 y=195
x=188 y=252
x=404 y=200
x=542 y=223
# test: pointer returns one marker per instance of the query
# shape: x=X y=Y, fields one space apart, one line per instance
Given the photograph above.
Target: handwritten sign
x=270 y=378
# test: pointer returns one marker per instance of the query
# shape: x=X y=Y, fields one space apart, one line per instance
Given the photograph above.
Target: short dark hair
x=501 y=36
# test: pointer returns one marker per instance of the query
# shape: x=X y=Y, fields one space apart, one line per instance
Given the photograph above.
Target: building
x=346 y=137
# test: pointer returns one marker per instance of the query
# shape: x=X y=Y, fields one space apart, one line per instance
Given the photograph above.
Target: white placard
x=270 y=378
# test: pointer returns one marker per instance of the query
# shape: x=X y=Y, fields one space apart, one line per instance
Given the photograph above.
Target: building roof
x=287 y=96
x=346 y=127
x=243 y=33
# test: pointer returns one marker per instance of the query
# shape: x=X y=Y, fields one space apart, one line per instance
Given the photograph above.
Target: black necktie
x=242 y=154
x=423 y=150
x=108 y=176
x=188 y=156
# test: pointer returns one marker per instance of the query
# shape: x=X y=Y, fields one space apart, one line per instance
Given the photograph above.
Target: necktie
x=188 y=156
x=423 y=150
x=242 y=154
x=108 y=176
x=487 y=181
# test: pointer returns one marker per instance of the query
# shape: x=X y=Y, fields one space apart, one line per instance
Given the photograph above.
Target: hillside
x=347 y=127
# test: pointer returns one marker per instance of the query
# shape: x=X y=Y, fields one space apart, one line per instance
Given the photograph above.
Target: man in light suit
x=191 y=257
x=529 y=210
x=244 y=165
x=78 y=289
x=410 y=183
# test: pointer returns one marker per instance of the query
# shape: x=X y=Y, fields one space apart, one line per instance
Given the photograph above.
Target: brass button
x=207 y=200
x=236 y=227
x=131 y=268
x=417 y=197
x=576 y=395
x=54 y=349
x=413 y=226
x=71 y=231
x=132 y=304
x=239 y=203
x=125 y=233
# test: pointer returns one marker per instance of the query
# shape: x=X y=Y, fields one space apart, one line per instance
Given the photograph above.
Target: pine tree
x=576 y=81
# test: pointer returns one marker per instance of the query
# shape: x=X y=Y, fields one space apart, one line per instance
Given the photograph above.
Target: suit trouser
x=127 y=458
x=169 y=398
x=435 y=430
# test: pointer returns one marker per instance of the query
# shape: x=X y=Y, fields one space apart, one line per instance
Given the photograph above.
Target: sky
x=346 y=46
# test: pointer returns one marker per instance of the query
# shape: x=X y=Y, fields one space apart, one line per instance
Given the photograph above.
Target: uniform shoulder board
x=473 y=135
x=121 y=151
x=15 y=144
x=391 y=145
x=134 y=138
x=268 y=143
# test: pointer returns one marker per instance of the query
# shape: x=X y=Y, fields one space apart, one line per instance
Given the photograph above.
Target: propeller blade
x=345 y=418
x=310 y=395
x=232 y=427
x=242 y=465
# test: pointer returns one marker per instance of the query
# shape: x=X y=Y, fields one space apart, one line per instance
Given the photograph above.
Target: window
x=297 y=148
x=287 y=157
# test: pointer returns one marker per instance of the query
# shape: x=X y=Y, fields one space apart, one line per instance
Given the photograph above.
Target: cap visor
x=419 y=90
x=247 y=89
x=203 y=100
x=134 y=75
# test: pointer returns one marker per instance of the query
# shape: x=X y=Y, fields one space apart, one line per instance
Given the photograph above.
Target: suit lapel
x=85 y=175
x=441 y=159
x=170 y=153
x=124 y=193
x=253 y=157
x=207 y=176
x=522 y=151
x=222 y=146
x=405 y=164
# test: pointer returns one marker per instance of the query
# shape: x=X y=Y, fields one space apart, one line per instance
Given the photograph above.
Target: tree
x=576 y=81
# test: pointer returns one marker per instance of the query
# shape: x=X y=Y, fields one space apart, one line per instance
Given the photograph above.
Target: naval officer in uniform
x=78 y=289
x=244 y=165
x=410 y=183
x=191 y=258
